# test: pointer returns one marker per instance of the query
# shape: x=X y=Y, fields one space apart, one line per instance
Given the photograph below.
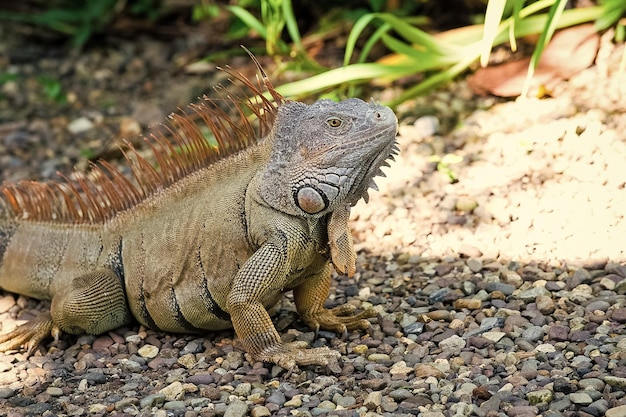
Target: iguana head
x=325 y=155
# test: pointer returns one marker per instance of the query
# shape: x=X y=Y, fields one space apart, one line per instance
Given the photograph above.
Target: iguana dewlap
x=209 y=235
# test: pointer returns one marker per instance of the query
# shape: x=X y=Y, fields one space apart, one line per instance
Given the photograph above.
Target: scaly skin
x=215 y=248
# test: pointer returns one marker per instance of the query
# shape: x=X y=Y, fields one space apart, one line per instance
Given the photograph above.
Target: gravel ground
x=498 y=271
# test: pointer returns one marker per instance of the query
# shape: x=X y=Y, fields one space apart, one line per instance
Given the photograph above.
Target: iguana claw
x=292 y=355
x=29 y=335
x=339 y=319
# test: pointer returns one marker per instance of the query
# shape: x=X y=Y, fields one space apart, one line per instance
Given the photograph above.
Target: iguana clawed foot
x=30 y=334
x=340 y=319
x=291 y=355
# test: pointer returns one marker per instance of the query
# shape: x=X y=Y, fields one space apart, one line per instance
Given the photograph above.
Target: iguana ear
x=340 y=239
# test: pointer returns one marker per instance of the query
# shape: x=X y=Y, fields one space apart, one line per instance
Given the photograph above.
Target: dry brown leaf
x=569 y=52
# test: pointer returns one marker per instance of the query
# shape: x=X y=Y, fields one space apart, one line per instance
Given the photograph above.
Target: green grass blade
x=292 y=24
x=351 y=73
x=433 y=81
x=249 y=19
x=612 y=11
x=356 y=31
x=493 y=17
x=517 y=8
x=552 y=20
x=376 y=36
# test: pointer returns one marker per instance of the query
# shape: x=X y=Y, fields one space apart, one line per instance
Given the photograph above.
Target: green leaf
x=552 y=20
x=493 y=17
x=249 y=19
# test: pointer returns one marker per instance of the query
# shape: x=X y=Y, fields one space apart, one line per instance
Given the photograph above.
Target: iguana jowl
x=210 y=235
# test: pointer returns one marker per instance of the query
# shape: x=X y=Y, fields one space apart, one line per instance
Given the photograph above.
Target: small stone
x=531 y=294
x=545 y=348
x=277 y=397
x=399 y=368
x=479 y=342
x=545 y=304
x=619 y=315
x=494 y=336
x=475 y=264
x=619 y=411
x=260 y=411
x=243 y=390
x=580 y=336
x=174 y=405
x=595 y=384
x=148 y=351
x=344 y=402
x=373 y=400
x=188 y=360
x=533 y=333
x=375 y=384
x=378 y=357
x=236 y=408
x=470 y=251
x=580 y=398
x=469 y=303
x=615 y=381
x=598 y=305
x=327 y=405
x=6 y=392
x=540 y=396
x=173 y=392
x=360 y=349
x=523 y=411
x=506 y=289
x=80 y=125
x=295 y=402
x=202 y=378
x=125 y=403
x=452 y=344
x=152 y=400
x=6 y=302
x=400 y=394
x=97 y=408
x=54 y=391
x=424 y=370
x=558 y=333
x=599 y=407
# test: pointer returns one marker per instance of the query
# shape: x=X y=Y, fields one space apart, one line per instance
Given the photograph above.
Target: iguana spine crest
x=179 y=147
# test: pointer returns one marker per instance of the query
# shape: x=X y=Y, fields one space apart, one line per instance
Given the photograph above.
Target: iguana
x=230 y=214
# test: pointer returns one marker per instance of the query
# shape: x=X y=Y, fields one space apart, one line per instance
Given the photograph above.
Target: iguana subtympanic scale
x=227 y=218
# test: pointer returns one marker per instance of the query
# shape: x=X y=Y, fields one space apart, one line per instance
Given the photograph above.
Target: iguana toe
x=29 y=335
x=340 y=319
x=292 y=355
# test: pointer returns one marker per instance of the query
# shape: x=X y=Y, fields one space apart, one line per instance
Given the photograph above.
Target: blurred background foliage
x=376 y=40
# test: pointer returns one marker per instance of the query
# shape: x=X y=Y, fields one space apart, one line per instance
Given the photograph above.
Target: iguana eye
x=333 y=122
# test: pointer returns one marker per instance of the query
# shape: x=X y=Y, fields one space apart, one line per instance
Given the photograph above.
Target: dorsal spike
x=189 y=140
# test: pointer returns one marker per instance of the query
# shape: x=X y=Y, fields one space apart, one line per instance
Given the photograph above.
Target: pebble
x=6 y=392
x=452 y=344
x=580 y=398
x=619 y=411
x=148 y=351
x=236 y=408
x=54 y=391
x=80 y=125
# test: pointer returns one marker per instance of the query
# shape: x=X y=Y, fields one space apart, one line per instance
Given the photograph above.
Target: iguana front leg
x=309 y=298
x=92 y=303
x=263 y=277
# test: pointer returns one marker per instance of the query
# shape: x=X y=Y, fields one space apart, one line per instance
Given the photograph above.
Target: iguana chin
x=230 y=216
